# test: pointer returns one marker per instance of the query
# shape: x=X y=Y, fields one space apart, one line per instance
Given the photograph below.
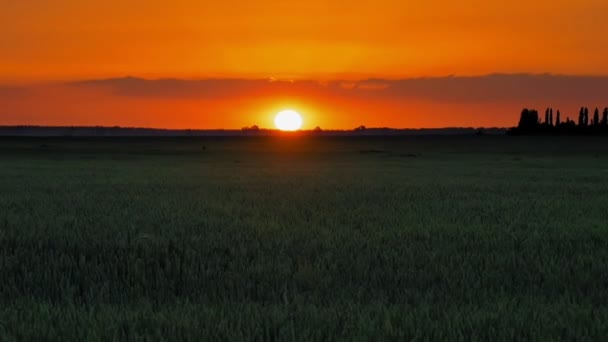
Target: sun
x=288 y=120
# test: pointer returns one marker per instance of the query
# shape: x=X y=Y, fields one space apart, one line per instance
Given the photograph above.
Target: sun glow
x=288 y=120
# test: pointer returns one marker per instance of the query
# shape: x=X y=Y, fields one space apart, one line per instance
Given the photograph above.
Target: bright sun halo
x=288 y=120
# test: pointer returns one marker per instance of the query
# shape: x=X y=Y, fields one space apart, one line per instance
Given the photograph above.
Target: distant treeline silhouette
x=530 y=123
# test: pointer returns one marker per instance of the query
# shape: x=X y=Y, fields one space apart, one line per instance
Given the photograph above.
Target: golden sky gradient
x=43 y=40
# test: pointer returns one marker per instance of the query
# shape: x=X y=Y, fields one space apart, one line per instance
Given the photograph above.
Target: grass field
x=294 y=238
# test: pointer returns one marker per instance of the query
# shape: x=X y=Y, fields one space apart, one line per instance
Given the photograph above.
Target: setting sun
x=288 y=120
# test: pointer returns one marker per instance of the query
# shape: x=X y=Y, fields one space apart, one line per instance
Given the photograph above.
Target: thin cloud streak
x=452 y=89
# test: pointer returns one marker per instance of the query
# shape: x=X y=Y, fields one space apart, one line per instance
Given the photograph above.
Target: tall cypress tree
x=558 y=119
x=596 y=117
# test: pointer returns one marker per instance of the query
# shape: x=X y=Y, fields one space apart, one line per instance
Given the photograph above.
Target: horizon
x=263 y=129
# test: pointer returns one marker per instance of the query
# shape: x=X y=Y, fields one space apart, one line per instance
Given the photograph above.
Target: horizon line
x=265 y=129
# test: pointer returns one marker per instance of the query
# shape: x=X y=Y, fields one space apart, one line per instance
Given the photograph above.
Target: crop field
x=304 y=238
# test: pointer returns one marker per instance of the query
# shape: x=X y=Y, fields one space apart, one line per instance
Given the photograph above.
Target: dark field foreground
x=292 y=238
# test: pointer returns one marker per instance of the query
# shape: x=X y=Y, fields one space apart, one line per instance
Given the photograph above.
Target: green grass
x=293 y=238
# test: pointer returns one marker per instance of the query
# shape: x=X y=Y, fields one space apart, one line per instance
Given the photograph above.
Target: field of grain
x=300 y=238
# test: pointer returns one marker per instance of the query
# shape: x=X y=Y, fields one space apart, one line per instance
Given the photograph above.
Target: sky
x=229 y=64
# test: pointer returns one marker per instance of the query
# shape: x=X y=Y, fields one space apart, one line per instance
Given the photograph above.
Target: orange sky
x=43 y=40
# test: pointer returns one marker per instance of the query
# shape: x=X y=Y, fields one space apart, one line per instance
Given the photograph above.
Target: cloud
x=200 y=89
x=11 y=91
x=501 y=88
x=522 y=88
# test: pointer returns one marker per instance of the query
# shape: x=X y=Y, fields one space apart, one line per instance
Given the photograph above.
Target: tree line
x=530 y=122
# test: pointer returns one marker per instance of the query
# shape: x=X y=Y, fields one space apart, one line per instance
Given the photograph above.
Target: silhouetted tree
x=568 y=126
x=360 y=128
x=596 y=117
x=531 y=123
x=528 y=120
x=251 y=128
